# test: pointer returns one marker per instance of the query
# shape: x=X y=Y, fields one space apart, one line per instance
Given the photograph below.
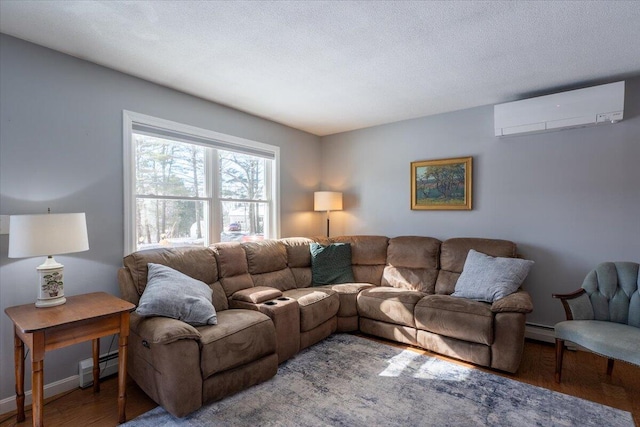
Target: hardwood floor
x=584 y=376
x=83 y=407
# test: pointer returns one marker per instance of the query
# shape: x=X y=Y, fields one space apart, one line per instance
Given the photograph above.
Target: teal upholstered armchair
x=604 y=315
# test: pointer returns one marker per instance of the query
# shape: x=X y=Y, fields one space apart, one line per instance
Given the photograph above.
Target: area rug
x=347 y=380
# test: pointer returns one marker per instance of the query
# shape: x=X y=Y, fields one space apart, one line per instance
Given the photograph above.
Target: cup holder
x=270 y=303
x=283 y=299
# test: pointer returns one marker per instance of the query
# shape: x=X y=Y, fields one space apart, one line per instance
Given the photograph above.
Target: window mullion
x=268 y=225
x=215 y=206
x=272 y=211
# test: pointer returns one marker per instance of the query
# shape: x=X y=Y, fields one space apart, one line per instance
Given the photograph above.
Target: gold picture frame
x=443 y=184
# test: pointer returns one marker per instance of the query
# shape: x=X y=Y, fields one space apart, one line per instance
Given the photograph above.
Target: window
x=186 y=186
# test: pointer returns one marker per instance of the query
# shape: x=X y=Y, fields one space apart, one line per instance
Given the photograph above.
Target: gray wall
x=569 y=199
x=61 y=147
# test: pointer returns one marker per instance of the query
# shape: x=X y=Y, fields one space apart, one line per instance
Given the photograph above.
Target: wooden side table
x=82 y=318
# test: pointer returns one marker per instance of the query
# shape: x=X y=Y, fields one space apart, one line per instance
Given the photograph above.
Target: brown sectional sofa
x=268 y=311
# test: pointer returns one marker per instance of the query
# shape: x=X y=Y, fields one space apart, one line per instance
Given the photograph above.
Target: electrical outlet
x=4 y=224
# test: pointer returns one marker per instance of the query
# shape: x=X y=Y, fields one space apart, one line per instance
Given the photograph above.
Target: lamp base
x=50 y=302
x=50 y=284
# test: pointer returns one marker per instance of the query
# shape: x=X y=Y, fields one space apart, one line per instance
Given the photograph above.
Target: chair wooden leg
x=559 y=355
x=609 y=367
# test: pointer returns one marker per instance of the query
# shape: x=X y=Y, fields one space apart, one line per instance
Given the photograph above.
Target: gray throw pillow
x=486 y=278
x=170 y=293
x=331 y=264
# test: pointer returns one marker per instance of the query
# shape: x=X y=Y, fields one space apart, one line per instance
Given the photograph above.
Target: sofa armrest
x=127 y=288
x=577 y=305
x=256 y=295
x=517 y=302
x=162 y=330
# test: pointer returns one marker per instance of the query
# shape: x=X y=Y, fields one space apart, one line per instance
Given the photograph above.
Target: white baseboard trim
x=57 y=387
x=539 y=332
x=108 y=366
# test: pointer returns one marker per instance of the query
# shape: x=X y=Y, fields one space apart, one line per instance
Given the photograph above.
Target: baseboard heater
x=108 y=366
x=545 y=333
x=539 y=332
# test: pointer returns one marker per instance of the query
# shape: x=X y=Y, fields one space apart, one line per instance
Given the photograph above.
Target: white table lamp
x=48 y=234
x=327 y=201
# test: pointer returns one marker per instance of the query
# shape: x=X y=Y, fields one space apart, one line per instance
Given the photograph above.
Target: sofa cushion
x=198 y=263
x=486 y=278
x=233 y=284
x=368 y=273
x=368 y=257
x=331 y=264
x=317 y=305
x=414 y=279
x=240 y=337
x=391 y=305
x=366 y=250
x=265 y=256
x=219 y=298
x=280 y=279
x=348 y=294
x=233 y=267
x=302 y=276
x=299 y=259
x=170 y=293
x=412 y=263
x=414 y=252
x=453 y=254
x=231 y=259
x=459 y=318
x=298 y=254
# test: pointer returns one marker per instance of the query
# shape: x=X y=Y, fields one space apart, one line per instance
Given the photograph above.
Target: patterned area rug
x=351 y=381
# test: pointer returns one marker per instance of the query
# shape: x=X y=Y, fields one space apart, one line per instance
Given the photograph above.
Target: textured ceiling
x=328 y=67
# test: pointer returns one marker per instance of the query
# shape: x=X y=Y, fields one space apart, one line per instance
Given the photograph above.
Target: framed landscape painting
x=443 y=184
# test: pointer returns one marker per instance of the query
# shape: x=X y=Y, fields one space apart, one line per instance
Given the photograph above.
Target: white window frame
x=225 y=142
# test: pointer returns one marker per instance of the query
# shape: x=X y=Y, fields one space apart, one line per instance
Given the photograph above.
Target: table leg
x=37 y=379
x=122 y=377
x=18 y=354
x=96 y=365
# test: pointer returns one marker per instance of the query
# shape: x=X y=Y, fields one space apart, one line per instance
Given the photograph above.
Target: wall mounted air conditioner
x=565 y=110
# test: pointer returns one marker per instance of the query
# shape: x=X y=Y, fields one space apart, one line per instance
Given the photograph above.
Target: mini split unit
x=565 y=110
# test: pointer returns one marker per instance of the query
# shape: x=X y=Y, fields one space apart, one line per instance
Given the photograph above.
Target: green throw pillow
x=331 y=264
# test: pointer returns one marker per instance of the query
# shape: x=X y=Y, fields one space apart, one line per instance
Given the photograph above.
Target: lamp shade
x=47 y=234
x=327 y=201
